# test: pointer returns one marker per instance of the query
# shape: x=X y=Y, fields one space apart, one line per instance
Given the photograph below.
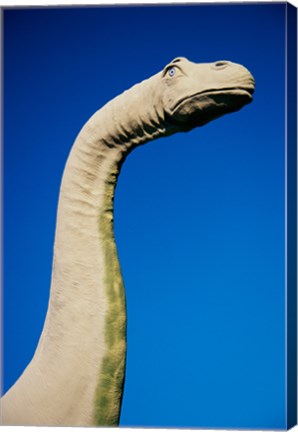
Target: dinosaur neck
x=82 y=348
x=86 y=219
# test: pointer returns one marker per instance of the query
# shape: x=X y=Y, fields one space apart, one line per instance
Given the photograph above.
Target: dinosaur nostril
x=221 y=64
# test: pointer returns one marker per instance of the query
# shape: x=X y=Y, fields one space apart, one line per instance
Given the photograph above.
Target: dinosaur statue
x=76 y=375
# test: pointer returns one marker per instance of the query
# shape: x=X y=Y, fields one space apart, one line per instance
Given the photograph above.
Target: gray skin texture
x=76 y=375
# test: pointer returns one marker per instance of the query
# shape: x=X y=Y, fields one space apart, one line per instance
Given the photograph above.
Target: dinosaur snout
x=229 y=74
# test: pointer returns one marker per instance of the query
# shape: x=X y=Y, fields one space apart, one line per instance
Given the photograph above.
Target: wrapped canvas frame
x=290 y=215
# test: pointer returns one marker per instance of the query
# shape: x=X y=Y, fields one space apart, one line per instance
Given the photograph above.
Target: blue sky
x=199 y=217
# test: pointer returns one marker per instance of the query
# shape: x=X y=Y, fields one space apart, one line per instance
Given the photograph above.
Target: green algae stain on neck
x=110 y=385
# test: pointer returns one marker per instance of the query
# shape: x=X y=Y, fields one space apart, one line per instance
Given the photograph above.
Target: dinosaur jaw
x=205 y=106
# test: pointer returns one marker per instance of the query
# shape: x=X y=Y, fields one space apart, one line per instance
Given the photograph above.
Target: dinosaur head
x=196 y=93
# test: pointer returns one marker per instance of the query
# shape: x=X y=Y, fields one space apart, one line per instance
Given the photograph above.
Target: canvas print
x=150 y=205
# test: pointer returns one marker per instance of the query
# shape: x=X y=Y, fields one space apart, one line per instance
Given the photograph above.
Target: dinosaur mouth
x=205 y=106
x=233 y=91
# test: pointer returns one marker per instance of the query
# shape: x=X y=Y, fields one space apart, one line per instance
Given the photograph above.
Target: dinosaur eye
x=171 y=71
